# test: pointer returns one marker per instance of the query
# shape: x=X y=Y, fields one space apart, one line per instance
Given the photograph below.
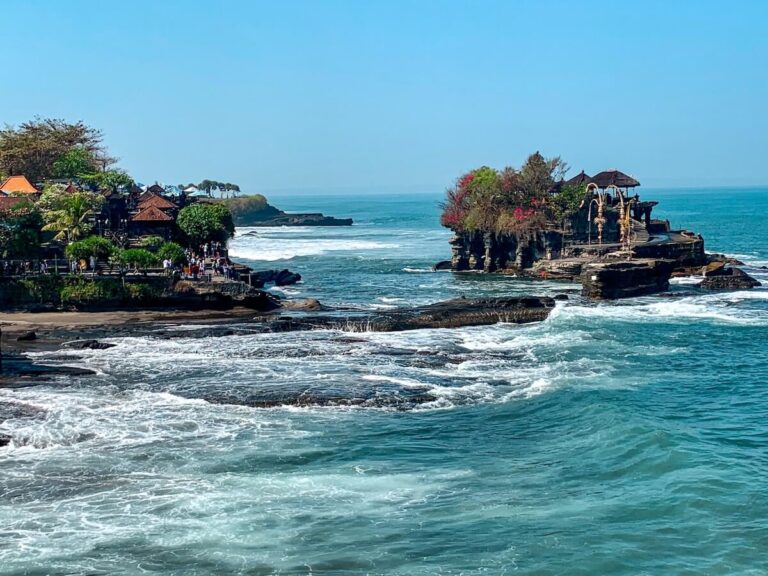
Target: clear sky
x=393 y=95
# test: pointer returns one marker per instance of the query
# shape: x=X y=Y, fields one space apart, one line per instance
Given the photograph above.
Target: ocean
x=617 y=438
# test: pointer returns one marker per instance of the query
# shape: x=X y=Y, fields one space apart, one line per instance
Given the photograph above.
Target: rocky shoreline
x=69 y=332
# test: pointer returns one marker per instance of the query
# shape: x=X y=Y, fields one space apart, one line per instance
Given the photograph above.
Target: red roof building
x=17 y=185
x=151 y=214
x=157 y=202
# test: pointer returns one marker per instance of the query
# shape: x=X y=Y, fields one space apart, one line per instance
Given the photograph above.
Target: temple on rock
x=534 y=222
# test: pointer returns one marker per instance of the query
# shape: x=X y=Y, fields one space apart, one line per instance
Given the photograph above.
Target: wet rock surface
x=19 y=371
x=87 y=344
x=625 y=278
x=277 y=277
x=449 y=314
x=730 y=279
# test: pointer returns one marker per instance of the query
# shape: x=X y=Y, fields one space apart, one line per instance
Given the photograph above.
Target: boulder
x=625 y=278
x=442 y=265
x=27 y=336
x=87 y=345
x=4 y=440
x=279 y=277
x=286 y=278
x=730 y=279
x=308 y=305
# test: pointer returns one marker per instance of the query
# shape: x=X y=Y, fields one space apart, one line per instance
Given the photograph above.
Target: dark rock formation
x=19 y=371
x=730 y=279
x=279 y=277
x=221 y=296
x=449 y=314
x=307 y=305
x=271 y=216
x=4 y=440
x=625 y=278
x=27 y=336
x=442 y=265
x=286 y=278
x=543 y=250
x=463 y=312
x=87 y=345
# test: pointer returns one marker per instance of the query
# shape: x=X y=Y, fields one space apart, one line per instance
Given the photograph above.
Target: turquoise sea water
x=626 y=438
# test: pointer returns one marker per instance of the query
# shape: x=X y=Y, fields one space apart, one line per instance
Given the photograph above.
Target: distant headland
x=256 y=211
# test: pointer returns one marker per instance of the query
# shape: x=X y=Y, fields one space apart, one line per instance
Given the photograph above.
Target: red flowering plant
x=457 y=203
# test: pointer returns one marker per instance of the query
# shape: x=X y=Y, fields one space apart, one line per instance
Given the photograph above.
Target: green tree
x=20 y=231
x=207 y=186
x=567 y=201
x=137 y=258
x=539 y=174
x=108 y=180
x=71 y=216
x=152 y=243
x=203 y=223
x=95 y=246
x=173 y=252
x=74 y=162
x=35 y=147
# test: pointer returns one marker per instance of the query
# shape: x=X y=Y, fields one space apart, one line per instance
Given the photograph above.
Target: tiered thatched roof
x=614 y=178
x=157 y=202
x=151 y=214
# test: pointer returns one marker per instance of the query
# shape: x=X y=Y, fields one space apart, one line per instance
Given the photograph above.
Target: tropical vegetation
x=201 y=223
x=511 y=200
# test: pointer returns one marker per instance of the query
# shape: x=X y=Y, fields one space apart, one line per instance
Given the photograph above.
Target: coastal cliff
x=256 y=211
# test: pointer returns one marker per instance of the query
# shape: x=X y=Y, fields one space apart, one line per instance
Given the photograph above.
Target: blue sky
x=398 y=96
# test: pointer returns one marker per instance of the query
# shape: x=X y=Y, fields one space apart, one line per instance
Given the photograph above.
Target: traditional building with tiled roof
x=146 y=195
x=151 y=214
x=151 y=221
x=157 y=202
x=17 y=185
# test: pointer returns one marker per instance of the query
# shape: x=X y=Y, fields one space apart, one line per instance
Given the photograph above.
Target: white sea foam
x=285 y=248
x=418 y=270
x=715 y=307
x=686 y=280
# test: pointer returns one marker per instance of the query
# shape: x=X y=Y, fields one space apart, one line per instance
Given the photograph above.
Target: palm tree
x=72 y=219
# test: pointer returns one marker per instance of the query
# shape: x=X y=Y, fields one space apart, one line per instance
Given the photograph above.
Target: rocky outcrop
x=19 y=371
x=489 y=252
x=625 y=278
x=220 y=296
x=449 y=314
x=279 y=277
x=465 y=312
x=730 y=279
x=271 y=216
x=88 y=344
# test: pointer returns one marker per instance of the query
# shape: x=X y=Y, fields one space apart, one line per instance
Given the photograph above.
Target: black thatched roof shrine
x=613 y=178
x=579 y=179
